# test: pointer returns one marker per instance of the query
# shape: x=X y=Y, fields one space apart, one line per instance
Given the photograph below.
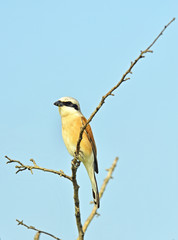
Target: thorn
x=126 y=79
x=150 y=51
x=61 y=173
x=33 y=161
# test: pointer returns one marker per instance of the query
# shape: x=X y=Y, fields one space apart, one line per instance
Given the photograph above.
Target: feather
x=89 y=134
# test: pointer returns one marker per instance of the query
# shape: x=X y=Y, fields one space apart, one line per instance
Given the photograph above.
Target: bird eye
x=70 y=104
x=75 y=106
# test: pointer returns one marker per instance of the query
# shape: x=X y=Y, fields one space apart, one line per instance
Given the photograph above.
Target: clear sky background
x=51 y=49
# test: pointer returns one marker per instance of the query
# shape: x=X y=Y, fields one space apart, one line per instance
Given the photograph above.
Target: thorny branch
x=21 y=167
x=37 y=230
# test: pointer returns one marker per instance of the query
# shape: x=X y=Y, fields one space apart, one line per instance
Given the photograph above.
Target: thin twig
x=37 y=230
x=102 y=189
x=22 y=167
x=161 y=33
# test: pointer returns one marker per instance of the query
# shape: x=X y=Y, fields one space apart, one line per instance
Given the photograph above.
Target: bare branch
x=37 y=230
x=76 y=199
x=21 y=167
x=123 y=79
x=102 y=189
x=161 y=33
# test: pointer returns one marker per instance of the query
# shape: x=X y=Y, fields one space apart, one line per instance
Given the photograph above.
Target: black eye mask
x=70 y=104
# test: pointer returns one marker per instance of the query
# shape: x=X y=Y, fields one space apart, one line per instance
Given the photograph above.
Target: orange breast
x=71 y=126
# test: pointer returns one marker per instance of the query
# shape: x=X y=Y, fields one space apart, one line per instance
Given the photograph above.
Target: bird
x=72 y=121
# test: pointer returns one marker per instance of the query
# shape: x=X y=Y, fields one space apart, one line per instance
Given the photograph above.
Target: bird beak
x=58 y=103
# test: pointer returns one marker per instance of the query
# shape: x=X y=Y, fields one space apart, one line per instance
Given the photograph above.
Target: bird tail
x=96 y=193
x=90 y=170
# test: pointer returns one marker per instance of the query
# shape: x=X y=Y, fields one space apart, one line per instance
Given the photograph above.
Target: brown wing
x=89 y=134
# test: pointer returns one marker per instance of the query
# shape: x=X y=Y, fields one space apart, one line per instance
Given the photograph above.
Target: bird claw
x=76 y=163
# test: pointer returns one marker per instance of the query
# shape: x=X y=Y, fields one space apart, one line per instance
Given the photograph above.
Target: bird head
x=67 y=105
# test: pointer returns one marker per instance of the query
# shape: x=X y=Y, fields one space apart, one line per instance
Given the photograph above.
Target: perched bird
x=72 y=121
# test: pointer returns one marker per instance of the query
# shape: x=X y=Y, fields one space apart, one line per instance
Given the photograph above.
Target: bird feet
x=75 y=163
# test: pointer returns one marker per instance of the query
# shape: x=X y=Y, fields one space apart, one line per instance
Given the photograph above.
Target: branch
x=161 y=33
x=21 y=167
x=76 y=199
x=102 y=189
x=37 y=230
x=75 y=160
x=123 y=79
x=81 y=230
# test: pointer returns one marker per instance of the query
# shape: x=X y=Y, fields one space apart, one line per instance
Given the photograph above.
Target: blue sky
x=51 y=49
